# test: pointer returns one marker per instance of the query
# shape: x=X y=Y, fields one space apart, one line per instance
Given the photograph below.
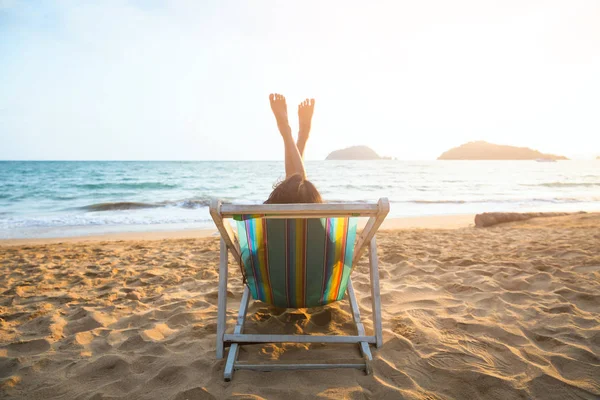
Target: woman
x=295 y=188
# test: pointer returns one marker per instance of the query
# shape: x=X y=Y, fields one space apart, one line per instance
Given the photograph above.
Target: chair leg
x=375 y=294
x=364 y=346
x=239 y=328
x=231 y=365
x=222 y=299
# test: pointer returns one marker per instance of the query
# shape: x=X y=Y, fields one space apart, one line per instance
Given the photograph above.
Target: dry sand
x=508 y=312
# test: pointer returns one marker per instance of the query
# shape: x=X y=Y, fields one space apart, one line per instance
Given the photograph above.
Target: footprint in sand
x=587 y=268
x=30 y=347
x=405 y=330
x=8 y=366
x=105 y=369
x=321 y=318
x=173 y=375
x=295 y=317
x=135 y=342
x=87 y=320
x=197 y=393
x=393 y=257
x=265 y=313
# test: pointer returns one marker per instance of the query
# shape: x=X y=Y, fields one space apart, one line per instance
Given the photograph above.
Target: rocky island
x=481 y=150
x=354 y=153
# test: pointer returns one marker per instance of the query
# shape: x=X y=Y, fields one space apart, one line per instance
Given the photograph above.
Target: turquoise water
x=46 y=199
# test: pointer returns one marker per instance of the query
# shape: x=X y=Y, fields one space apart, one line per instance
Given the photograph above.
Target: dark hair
x=294 y=189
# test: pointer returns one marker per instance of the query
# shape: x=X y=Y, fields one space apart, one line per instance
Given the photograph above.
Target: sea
x=41 y=199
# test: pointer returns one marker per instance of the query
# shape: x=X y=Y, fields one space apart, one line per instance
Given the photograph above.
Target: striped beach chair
x=297 y=256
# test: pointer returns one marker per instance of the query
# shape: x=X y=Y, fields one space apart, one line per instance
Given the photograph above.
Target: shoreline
x=421 y=222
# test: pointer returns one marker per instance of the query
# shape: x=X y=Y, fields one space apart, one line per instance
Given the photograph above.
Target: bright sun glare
x=93 y=81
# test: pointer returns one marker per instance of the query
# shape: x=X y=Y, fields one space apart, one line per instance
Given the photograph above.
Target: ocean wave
x=439 y=201
x=361 y=187
x=120 y=205
x=134 y=205
x=505 y=200
x=348 y=201
x=568 y=200
x=64 y=197
x=564 y=184
x=191 y=203
x=10 y=225
x=120 y=185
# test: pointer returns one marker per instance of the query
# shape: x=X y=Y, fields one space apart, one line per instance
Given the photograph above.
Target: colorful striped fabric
x=297 y=263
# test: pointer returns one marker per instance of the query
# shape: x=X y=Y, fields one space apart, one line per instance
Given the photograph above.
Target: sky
x=189 y=80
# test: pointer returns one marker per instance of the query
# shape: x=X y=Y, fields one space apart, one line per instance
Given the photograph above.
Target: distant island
x=354 y=153
x=481 y=150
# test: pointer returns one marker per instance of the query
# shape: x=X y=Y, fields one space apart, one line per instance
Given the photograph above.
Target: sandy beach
x=507 y=312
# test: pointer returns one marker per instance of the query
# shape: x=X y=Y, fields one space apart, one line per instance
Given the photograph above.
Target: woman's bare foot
x=279 y=107
x=305 y=113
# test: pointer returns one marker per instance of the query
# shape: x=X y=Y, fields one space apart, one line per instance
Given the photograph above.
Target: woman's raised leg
x=293 y=159
x=305 y=113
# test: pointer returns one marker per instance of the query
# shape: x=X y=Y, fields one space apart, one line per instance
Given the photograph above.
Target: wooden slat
x=301 y=210
x=239 y=328
x=375 y=295
x=275 y=367
x=241 y=319
x=225 y=230
x=364 y=346
x=222 y=299
x=260 y=338
x=370 y=229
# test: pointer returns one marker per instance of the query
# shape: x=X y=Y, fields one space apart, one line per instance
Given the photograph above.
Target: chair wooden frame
x=376 y=213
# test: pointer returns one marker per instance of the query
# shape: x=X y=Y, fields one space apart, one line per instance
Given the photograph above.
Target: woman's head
x=294 y=189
